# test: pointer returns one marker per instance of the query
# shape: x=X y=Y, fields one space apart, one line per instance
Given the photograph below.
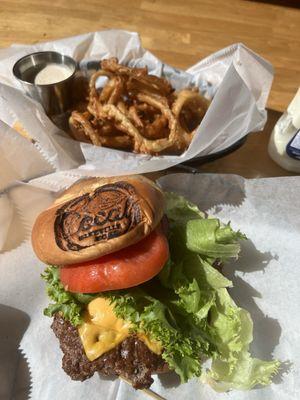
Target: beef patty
x=131 y=358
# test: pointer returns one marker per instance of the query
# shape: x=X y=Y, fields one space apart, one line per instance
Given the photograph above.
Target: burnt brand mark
x=108 y=212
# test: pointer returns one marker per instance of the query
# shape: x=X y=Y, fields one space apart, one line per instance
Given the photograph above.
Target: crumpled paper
x=20 y=159
x=265 y=278
x=237 y=79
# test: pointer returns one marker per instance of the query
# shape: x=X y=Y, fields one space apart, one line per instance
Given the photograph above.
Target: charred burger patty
x=131 y=358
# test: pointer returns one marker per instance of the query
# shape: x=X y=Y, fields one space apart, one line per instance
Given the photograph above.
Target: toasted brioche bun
x=95 y=217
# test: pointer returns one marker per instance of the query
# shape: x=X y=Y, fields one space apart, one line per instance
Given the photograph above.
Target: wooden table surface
x=180 y=32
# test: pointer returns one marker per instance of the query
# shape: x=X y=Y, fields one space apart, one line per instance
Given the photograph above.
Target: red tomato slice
x=123 y=269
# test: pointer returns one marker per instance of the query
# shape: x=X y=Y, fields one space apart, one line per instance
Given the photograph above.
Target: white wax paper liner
x=20 y=159
x=19 y=206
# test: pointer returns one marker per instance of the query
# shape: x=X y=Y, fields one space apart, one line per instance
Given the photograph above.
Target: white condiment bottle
x=285 y=133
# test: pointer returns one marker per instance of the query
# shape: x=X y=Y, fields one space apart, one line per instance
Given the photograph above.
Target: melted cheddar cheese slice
x=101 y=330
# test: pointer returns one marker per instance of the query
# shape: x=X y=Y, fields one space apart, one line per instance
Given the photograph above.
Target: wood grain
x=179 y=32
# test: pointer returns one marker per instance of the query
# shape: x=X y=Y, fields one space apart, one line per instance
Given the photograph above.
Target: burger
x=133 y=274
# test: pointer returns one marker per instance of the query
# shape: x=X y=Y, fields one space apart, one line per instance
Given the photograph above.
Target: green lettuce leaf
x=209 y=238
x=247 y=373
x=187 y=306
x=232 y=366
x=68 y=304
x=180 y=210
x=164 y=324
x=202 y=292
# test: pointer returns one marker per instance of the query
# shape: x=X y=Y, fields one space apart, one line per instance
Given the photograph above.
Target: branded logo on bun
x=95 y=217
x=106 y=213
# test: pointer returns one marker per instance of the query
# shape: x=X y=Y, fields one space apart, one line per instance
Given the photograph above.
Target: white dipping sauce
x=52 y=73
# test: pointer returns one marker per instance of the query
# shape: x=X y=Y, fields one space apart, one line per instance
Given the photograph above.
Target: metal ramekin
x=54 y=97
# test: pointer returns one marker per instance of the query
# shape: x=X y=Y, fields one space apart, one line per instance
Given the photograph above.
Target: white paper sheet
x=19 y=158
x=266 y=283
x=238 y=80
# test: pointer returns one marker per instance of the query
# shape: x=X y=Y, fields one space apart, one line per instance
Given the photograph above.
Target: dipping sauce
x=52 y=73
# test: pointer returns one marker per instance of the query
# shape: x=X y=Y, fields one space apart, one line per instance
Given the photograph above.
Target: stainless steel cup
x=55 y=97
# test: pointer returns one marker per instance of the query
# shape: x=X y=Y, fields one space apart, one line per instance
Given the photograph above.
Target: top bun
x=95 y=217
